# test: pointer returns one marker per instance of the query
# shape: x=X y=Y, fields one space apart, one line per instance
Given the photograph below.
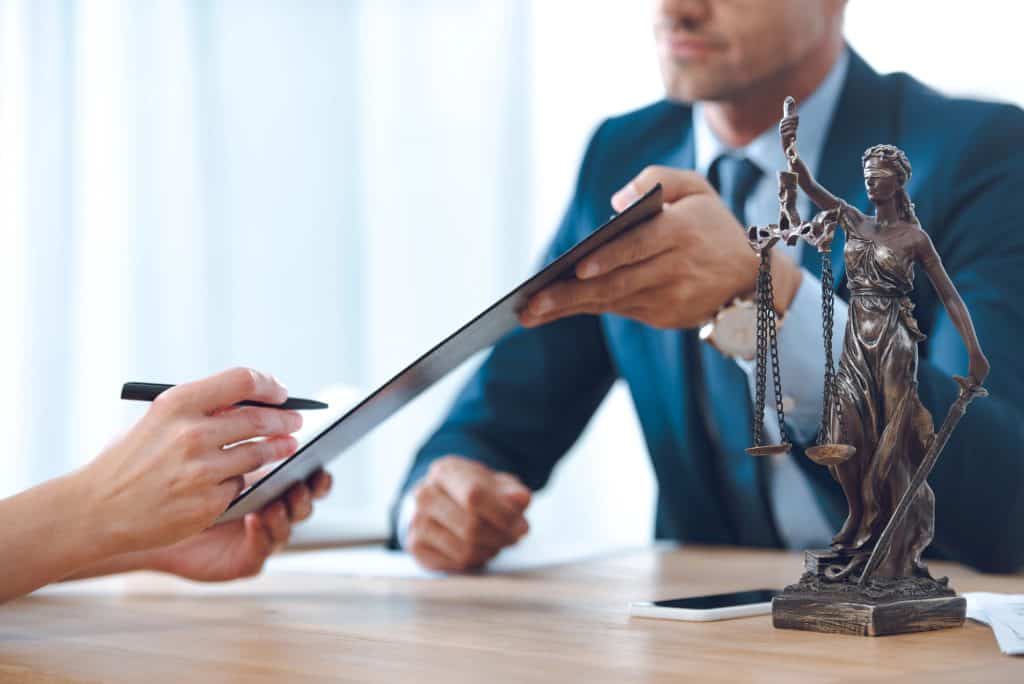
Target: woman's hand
x=172 y=474
x=239 y=548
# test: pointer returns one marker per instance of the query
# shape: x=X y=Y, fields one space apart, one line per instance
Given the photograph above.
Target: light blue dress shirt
x=799 y=520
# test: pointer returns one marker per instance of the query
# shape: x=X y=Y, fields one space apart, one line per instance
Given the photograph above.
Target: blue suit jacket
x=532 y=397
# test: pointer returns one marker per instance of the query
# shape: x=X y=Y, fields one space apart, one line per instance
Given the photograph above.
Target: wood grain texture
x=568 y=623
x=865 y=619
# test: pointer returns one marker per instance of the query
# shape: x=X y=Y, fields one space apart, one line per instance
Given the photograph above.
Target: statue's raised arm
x=787 y=130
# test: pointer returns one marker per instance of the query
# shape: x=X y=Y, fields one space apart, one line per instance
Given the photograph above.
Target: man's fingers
x=514 y=491
x=225 y=389
x=640 y=245
x=429 y=532
x=460 y=555
x=479 y=497
x=246 y=422
x=429 y=557
x=675 y=184
x=245 y=458
x=433 y=502
x=601 y=293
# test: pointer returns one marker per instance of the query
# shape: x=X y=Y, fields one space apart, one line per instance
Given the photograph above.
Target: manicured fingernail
x=589 y=269
x=625 y=196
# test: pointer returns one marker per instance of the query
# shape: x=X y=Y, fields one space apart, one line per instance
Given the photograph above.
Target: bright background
x=323 y=190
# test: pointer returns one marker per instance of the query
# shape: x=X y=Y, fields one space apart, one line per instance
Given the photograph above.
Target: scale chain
x=830 y=401
x=774 y=344
x=760 y=368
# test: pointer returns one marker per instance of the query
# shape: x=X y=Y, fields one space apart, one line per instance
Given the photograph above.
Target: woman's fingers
x=245 y=458
x=275 y=519
x=299 y=502
x=246 y=422
x=226 y=492
x=321 y=483
x=223 y=390
x=259 y=542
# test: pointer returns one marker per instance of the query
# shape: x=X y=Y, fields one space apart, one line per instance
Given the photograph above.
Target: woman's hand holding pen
x=174 y=472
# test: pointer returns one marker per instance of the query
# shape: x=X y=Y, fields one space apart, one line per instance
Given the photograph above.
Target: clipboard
x=481 y=332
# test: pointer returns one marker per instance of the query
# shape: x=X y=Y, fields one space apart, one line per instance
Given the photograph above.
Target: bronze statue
x=878 y=439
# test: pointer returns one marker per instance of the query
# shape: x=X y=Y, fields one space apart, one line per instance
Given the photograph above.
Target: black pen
x=148 y=391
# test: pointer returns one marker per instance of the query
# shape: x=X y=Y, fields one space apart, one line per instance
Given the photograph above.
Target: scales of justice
x=876 y=437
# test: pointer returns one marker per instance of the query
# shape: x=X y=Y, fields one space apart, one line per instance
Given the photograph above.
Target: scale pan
x=769 y=449
x=830 y=454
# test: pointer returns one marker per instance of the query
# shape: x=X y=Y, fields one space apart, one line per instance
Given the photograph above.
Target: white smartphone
x=711 y=607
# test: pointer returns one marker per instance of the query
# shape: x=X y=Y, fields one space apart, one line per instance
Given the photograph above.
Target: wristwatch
x=733 y=330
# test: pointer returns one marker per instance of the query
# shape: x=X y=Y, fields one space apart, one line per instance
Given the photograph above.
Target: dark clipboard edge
x=562 y=267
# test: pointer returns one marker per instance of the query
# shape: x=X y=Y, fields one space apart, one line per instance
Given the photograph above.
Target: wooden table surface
x=565 y=623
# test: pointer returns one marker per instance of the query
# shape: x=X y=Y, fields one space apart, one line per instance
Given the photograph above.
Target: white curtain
x=318 y=189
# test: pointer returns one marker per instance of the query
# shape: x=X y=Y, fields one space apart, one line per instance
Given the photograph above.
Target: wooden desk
x=562 y=624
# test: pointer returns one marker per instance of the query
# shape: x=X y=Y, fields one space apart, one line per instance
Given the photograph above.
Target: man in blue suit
x=634 y=310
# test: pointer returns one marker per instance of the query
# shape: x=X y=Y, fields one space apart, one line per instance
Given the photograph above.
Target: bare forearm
x=150 y=559
x=46 y=534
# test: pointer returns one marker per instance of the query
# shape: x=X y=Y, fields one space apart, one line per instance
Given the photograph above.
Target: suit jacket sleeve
x=536 y=391
x=979 y=480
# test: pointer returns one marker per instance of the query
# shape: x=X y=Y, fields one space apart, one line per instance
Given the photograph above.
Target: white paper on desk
x=1008 y=624
x=376 y=561
x=1004 y=613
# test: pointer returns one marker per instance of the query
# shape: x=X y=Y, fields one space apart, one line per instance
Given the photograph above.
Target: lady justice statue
x=877 y=438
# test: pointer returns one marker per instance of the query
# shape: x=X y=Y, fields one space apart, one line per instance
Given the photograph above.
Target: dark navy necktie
x=726 y=395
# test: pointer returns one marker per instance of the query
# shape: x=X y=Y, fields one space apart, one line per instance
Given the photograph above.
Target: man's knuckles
x=475 y=532
x=477 y=498
x=424 y=494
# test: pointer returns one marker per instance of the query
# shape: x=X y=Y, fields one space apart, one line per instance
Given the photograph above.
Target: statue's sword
x=969 y=390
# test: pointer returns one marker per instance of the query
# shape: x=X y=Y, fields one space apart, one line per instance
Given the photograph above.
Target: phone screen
x=737 y=598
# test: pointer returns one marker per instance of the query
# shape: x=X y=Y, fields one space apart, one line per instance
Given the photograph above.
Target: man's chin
x=697 y=87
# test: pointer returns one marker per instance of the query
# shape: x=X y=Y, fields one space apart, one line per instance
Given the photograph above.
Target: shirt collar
x=765 y=150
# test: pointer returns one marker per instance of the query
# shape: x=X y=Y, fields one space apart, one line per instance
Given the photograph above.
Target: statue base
x=884 y=606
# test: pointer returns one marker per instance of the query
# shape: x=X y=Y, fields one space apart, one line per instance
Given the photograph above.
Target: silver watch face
x=735 y=329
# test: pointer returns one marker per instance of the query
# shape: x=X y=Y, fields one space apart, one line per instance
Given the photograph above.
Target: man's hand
x=465 y=514
x=239 y=548
x=675 y=271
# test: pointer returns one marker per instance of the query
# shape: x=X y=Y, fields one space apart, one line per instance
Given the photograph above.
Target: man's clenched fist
x=465 y=514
